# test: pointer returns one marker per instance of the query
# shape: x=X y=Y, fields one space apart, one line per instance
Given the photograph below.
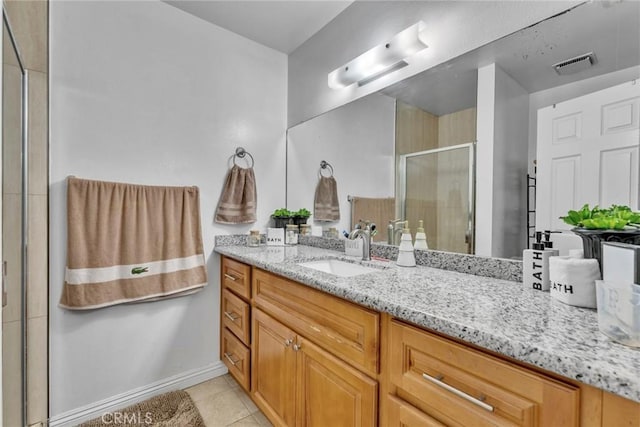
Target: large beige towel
x=238 y=200
x=326 y=206
x=129 y=243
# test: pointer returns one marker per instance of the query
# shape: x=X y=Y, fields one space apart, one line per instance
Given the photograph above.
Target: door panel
x=332 y=393
x=618 y=170
x=273 y=368
x=587 y=152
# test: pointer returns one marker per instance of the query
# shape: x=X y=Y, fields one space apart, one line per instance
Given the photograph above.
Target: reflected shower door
x=438 y=188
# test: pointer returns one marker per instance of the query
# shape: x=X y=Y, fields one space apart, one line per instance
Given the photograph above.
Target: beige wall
x=29 y=22
x=429 y=194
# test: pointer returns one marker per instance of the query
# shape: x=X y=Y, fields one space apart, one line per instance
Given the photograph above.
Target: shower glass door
x=437 y=187
x=13 y=251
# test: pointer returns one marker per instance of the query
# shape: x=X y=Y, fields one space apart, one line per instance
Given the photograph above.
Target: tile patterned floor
x=222 y=403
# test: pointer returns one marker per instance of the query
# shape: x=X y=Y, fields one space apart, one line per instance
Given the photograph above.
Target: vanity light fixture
x=381 y=59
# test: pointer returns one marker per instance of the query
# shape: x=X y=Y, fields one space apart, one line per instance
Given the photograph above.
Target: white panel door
x=587 y=152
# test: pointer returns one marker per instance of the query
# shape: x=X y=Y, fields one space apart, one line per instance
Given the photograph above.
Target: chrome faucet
x=365 y=234
x=394 y=231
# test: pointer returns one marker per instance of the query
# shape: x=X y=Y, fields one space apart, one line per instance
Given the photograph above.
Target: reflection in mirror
x=490 y=95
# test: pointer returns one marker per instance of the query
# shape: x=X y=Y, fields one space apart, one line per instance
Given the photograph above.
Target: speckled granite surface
x=499 y=315
x=497 y=268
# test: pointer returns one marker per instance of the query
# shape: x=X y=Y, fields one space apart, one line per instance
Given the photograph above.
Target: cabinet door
x=273 y=378
x=332 y=393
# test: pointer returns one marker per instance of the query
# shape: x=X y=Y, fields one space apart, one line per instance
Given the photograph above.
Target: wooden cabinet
x=237 y=357
x=274 y=369
x=346 y=330
x=236 y=316
x=236 y=277
x=459 y=386
x=311 y=359
x=235 y=319
x=295 y=382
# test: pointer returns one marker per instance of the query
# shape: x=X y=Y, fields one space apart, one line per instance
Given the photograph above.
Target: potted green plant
x=614 y=224
x=282 y=217
x=300 y=216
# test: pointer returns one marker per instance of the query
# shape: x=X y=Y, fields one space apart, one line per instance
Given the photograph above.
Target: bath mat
x=173 y=409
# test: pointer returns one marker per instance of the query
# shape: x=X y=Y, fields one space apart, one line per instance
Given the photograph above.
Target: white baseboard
x=113 y=403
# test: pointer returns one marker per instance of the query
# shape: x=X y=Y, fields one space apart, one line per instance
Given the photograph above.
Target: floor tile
x=249 y=421
x=223 y=403
x=208 y=389
x=222 y=409
x=261 y=419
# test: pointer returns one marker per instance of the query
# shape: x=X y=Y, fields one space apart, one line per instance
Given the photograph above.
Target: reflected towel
x=326 y=206
x=129 y=243
x=238 y=200
x=376 y=210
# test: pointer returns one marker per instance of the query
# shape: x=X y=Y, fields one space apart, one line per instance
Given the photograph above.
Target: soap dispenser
x=421 y=237
x=406 y=257
x=535 y=263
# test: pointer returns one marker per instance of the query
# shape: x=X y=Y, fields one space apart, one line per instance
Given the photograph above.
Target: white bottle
x=535 y=264
x=406 y=257
x=421 y=238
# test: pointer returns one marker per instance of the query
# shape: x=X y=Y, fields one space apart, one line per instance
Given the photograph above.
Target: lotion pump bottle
x=406 y=257
x=421 y=238
x=535 y=264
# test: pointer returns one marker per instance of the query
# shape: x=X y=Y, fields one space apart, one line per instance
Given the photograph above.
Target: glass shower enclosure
x=13 y=251
x=437 y=186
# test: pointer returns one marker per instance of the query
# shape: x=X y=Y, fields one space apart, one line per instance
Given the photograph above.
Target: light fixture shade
x=385 y=57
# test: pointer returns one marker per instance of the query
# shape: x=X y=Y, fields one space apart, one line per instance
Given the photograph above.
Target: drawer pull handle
x=230 y=277
x=230 y=359
x=231 y=316
x=462 y=394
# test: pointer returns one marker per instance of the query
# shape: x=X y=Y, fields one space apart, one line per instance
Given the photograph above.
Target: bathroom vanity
x=414 y=347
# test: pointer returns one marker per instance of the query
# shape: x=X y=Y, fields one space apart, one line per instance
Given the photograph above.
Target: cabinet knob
x=288 y=342
x=297 y=347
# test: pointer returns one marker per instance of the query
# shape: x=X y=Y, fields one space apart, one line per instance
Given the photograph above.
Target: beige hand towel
x=130 y=243
x=326 y=206
x=238 y=200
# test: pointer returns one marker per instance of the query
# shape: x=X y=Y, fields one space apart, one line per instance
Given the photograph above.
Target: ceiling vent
x=575 y=65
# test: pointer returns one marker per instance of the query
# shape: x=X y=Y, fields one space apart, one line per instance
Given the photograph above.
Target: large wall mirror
x=454 y=145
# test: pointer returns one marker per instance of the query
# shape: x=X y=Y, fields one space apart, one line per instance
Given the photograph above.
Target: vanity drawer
x=236 y=316
x=347 y=330
x=237 y=357
x=402 y=414
x=461 y=386
x=236 y=276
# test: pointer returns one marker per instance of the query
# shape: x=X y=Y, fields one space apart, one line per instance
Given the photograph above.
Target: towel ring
x=323 y=166
x=241 y=153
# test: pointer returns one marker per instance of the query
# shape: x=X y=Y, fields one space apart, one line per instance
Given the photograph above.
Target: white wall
x=510 y=167
x=501 y=164
x=453 y=28
x=485 y=134
x=142 y=92
x=358 y=140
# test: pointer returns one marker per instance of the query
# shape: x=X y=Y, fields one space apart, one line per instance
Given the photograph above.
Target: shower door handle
x=4 y=289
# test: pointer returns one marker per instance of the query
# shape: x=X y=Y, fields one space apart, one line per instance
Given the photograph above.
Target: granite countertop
x=498 y=315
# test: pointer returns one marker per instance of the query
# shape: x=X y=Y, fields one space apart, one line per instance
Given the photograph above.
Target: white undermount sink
x=338 y=268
